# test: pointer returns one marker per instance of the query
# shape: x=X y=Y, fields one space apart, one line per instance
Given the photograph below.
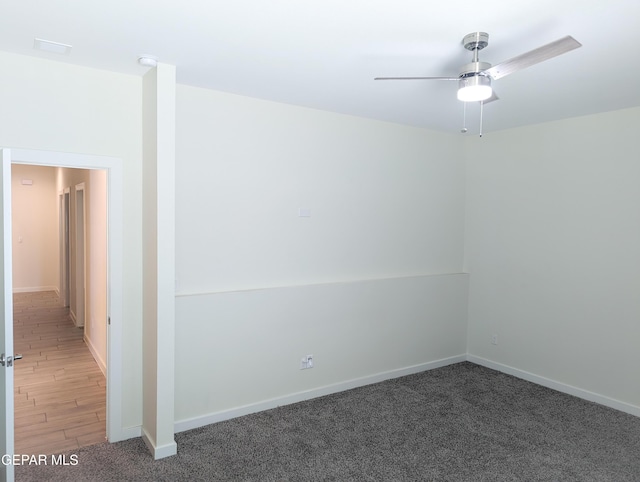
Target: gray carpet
x=458 y=423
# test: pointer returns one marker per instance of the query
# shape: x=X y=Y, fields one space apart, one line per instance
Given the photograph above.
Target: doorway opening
x=112 y=168
x=60 y=383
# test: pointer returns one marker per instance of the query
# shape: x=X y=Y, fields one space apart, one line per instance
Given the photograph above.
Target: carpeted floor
x=458 y=423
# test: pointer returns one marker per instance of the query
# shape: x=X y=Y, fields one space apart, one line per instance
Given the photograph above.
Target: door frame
x=6 y=334
x=80 y=257
x=115 y=233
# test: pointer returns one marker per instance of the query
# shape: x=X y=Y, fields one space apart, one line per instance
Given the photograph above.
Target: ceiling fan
x=474 y=80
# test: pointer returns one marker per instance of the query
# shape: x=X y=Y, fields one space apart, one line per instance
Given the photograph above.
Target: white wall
x=239 y=352
x=385 y=200
x=34 y=228
x=355 y=284
x=60 y=107
x=553 y=251
x=96 y=327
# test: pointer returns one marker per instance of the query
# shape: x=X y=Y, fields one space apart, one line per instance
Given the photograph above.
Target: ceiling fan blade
x=416 y=78
x=535 y=56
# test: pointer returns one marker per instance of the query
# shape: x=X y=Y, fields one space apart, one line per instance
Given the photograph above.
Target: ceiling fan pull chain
x=481 y=111
x=464 y=118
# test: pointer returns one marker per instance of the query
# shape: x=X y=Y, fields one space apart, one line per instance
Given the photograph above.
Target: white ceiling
x=325 y=53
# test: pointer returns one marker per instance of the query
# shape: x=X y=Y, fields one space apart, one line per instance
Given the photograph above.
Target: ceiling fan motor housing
x=475 y=40
x=474 y=68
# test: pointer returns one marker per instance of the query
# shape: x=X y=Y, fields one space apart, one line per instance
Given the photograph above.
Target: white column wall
x=159 y=259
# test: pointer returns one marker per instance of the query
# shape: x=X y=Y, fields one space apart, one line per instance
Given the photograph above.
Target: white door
x=6 y=332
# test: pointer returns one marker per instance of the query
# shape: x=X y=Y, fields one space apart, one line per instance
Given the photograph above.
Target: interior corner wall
x=303 y=232
x=553 y=250
x=54 y=106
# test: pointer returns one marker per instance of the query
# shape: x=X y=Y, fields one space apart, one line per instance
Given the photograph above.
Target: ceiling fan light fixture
x=474 y=88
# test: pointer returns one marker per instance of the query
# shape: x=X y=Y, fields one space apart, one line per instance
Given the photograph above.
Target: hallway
x=60 y=392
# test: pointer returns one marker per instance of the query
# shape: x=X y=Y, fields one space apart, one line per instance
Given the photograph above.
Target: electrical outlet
x=494 y=339
x=306 y=362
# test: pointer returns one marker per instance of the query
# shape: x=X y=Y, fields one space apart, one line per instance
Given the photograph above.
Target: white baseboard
x=191 y=423
x=555 y=385
x=96 y=356
x=126 y=433
x=159 y=452
x=34 y=289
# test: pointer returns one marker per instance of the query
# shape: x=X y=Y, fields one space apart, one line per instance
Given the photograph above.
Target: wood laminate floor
x=60 y=392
